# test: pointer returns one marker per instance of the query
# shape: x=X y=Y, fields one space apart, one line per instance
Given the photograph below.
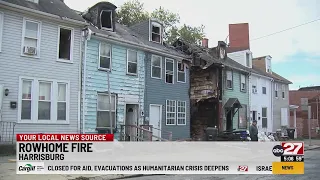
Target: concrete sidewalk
x=315 y=144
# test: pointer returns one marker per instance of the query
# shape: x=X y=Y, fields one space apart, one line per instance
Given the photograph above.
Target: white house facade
x=39 y=67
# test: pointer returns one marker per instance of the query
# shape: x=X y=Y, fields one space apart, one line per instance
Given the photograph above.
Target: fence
x=7 y=132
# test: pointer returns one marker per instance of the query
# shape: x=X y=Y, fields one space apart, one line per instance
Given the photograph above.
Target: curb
x=312 y=148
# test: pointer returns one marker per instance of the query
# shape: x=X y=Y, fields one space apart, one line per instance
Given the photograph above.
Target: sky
x=295 y=53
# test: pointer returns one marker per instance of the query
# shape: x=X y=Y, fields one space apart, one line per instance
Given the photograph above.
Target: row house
x=39 y=67
x=148 y=81
x=269 y=97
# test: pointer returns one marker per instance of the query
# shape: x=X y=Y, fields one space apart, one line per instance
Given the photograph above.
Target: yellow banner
x=288 y=168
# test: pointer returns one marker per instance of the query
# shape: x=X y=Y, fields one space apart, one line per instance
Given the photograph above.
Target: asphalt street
x=312 y=172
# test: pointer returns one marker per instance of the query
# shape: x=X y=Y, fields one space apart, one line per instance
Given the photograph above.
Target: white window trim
x=161 y=65
x=245 y=83
x=283 y=91
x=101 y=68
x=39 y=37
x=276 y=88
x=35 y=99
x=165 y=70
x=132 y=62
x=231 y=79
x=262 y=90
x=264 y=117
x=114 y=111
x=184 y=71
x=104 y=28
x=1 y=28
x=175 y=113
x=71 y=45
x=155 y=24
x=256 y=89
x=185 y=113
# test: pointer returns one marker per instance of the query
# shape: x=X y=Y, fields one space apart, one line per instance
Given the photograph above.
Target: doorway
x=155 y=120
x=229 y=124
x=131 y=121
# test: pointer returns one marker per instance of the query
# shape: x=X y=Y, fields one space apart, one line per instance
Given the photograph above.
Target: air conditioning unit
x=29 y=50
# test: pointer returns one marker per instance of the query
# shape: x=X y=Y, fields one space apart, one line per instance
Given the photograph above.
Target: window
x=43 y=101
x=132 y=62
x=44 y=104
x=156 y=32
x=264 y=90
x=264 y=118
x=169 y=71
x=248 y=59
x=105 y=57
x=65 y=44
x=242 y=119
x=229 y=82
x=103 y=110
x=276 y=90
x=31 y=38
x=181 y=113
x=170 y=112
x=181 y=69
x=62 y=101
x=242 y=83
x=1 y=28
x=106 y=20
x=283 y=91
x=26 y=99
x=254 y=89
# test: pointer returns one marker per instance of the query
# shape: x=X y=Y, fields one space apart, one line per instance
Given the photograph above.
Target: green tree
x=133 y=12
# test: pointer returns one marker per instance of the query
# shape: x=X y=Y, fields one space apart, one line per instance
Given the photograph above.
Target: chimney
x=239 y=36
x=205 y=42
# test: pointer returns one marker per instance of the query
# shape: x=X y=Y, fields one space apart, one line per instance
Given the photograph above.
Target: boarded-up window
x=264 y=118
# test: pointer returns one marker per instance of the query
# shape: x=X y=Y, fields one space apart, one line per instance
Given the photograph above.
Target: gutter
x=139 y=46
x=40 y=14
x=270 y=78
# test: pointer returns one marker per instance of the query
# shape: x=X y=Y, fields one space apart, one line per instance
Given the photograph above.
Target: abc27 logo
x=289 y=151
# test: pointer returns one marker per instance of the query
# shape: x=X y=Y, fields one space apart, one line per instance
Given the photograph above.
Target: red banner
x=65 y=137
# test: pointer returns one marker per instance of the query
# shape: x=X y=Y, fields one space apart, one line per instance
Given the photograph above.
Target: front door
x=229 y=125
x=131 y=121
x=155 y=120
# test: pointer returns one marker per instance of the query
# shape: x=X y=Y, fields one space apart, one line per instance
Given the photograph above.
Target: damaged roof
x=126 y=34
x=55 y=7
x=209 y=55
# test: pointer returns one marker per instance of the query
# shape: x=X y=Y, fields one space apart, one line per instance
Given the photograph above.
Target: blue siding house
x=117 y=62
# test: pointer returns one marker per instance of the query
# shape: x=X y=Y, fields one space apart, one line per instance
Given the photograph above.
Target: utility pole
x=110 y=115
x=309 y=124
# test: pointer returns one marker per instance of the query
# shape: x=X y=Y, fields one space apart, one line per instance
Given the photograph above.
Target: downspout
x=80 y=83
x=249 y=104
x=84 y=62
x=271 y=107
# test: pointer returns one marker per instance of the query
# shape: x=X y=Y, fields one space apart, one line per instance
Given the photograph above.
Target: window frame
x=155 y=24
x=113 y=111
x=1 y=28
x=71 y=44
x=262 y=90
x=245 y=83
x=99 y=59
x=111 y=20
x=283 y=91
x=256 y=89
x=137 y=63
x=246 y=117
x=35 y=99
x=262 y=117
x=161 y=66
x=175 y=112
x=276 y=90
x=184 y=72
x=185 y=113
x=248 y=59
x=230 y=88
x=51 y=99
x=38 y=39
x=165 y=68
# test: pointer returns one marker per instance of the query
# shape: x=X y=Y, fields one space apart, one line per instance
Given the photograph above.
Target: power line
x=282 y=30
x=286 y=29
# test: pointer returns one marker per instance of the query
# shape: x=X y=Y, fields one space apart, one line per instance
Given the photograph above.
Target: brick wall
x=302 y=126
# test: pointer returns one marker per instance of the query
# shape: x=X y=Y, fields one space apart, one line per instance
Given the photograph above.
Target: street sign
x=304 y=104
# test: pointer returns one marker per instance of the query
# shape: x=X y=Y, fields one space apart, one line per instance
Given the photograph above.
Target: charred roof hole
x=106 y=20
